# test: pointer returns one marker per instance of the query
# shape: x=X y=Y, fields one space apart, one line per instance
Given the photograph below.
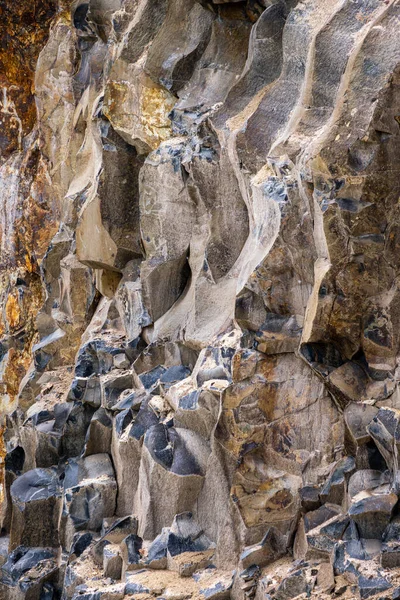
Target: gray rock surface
x=199 y=299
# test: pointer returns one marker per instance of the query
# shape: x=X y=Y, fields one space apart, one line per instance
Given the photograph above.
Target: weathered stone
x=198 y=291
x=99 y=433
x=75 y=429
x=370 y=586
x=195 y=409
x=320 y=541
x=37 y=504
x=90 y=491
x=80 y=542
x=292 y=586
x=86 y=390
x=357 y=417
x=390 y=555
x=334 y=489
x=112 y=385
x=310 y=499
x=157 y=553
x=25 y=571
x=278 y=334
x=372 y=510
x=126 y=451
x=320 y=515
x=325 y=578
x=366 y=480
x=120 y=528
x=130 y=552
x=168 y=462
x=271 y=548
x=121 y=361
x=112 y=562
x=214 y=586
x=185 y=535
x=385 y=431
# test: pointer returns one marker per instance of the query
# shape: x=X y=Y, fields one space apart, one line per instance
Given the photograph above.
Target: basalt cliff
x=199 y=299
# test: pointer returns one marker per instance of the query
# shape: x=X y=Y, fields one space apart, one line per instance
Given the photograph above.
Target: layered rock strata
x=200 y=310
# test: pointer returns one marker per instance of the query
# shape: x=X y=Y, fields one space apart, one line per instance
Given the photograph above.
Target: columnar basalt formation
x=200 y=302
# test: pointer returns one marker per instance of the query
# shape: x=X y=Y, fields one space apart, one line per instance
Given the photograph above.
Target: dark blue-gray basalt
x=23 y=559
x=185 y=535
x=144 y=420
x=35 y=485
x=169 y=449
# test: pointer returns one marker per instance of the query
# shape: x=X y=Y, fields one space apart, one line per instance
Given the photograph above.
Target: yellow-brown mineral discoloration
x=23 y=33
x=21 y=290
x=13 y=311
x=263 y=495
x=156 y=104
x=40 y=218
x=116 y=94
x=140 y=113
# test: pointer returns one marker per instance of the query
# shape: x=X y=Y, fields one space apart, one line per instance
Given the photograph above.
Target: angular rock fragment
x=99 y=433
x=90 y=491
x=129 y=427
x=120 y=528
x=390 y=555
x=121 y=361
x=185 y=535
x=130 y=552
x=270 y=548
x=293 y=585
x=112 y=561
x=37 y=505
x=80 y=542
x=157 y=552
x=195 y=409
x=366 y=479
x=188 y=548
x=86 y=390
x=278 y=334
x=335 y=488
x=75 y=429
x=213 y=363
x=213 y=585
x=310 y=499
x=357 y=417
x=390 y=551
x=26 y=570
x=371 y=511
x=325 y=578
x=316 y=517
x=384 y=430
x=319 y=542
x=173 y=459
x=112 y=385
x=370 y=586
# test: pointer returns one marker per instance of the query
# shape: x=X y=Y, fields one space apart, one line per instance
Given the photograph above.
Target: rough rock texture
x=200 y=302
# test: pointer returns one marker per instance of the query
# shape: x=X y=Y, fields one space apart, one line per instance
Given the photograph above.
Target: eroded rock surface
x=199 y=326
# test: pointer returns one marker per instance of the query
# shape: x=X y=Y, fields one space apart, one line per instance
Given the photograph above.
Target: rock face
x=200 y=311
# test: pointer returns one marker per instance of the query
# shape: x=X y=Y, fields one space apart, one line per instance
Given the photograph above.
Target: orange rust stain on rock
x=13 y=312
x=23 y=33
x=116 y=94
